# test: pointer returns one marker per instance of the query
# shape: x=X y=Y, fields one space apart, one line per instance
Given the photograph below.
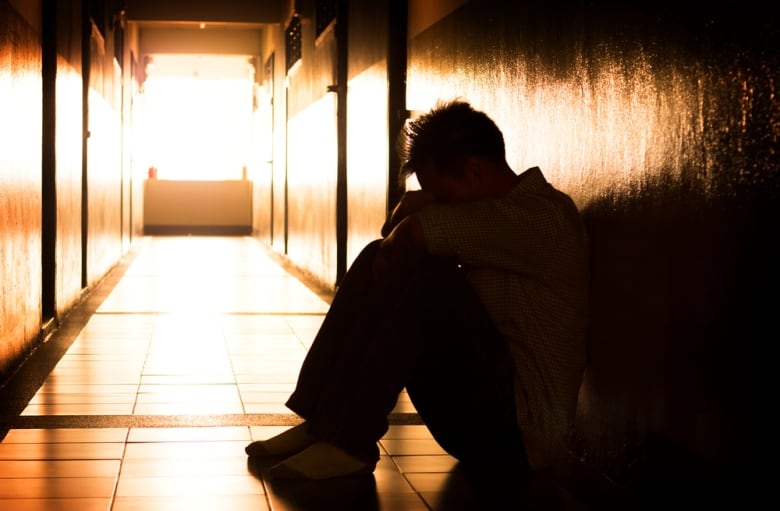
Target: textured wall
x=663 y=125
x=278 y=184
x=262 y=156
x=367 y=162
x=178 y=203
x=311 y=185
x=68 y=157
x=133 y=168
x=20 y=187
x=367 y=124
x=104 y=160
x=312 y=157
x=312 y=143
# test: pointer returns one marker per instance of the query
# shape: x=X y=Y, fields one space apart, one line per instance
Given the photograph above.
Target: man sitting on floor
x=474 y=300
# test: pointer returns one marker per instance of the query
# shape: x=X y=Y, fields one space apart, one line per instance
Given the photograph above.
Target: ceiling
x=225 y=11
x=201 y=38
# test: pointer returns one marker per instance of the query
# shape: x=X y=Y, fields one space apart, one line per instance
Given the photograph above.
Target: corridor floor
x=145 y=396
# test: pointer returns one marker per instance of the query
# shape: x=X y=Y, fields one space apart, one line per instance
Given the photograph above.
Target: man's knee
x=363 y=262
x=442 y=279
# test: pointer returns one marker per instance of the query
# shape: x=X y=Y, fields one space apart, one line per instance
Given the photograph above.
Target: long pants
x=421 y=327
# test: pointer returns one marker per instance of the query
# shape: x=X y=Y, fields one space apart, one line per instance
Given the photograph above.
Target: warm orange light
x=197 y=126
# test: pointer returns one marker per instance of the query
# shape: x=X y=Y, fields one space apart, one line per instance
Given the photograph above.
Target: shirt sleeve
x=500 y=234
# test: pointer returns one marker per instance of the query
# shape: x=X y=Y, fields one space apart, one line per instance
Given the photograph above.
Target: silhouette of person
x=474 y=300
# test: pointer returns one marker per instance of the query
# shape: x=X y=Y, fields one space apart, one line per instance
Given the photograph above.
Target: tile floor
x=147 y=394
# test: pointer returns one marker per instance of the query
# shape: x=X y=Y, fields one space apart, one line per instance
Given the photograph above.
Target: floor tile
x=164 y=467
x=441 y=463
x=81 y=398
x=57 y=504
x=55 y=387
x=150 y=393
x=405 y=446
x=190 y=357
x=79 y=409
x=265 y=432
x=185 y=450
x=192 y=503
x=24 y=469
x=188 y=485
x=65 y=435
x=266 y=408
x=148 y=435
x=56 y=487
x=62 y=451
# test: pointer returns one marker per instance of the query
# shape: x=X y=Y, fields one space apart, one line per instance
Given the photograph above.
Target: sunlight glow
x=197 y=127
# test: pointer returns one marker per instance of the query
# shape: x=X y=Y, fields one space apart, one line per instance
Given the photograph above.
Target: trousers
x=423 y=328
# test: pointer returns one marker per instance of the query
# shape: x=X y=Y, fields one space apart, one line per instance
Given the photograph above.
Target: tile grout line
x=176 y=421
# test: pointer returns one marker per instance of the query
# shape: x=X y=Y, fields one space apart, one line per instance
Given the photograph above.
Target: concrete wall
x=190 y=206
x=103 y=158
x=20 y=185
x=305 y=176
x=67 y=158
x=63 y=185
x=661 y=121
x=368 y=129
x=311 y=152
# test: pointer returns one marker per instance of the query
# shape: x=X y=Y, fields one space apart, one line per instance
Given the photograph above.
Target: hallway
x=146 y=396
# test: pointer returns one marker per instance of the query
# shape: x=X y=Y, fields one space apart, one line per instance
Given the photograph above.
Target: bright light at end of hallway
x=197 y=117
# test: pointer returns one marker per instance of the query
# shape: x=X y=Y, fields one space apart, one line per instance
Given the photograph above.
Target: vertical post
x=342 y=53
x=49 y=162
x=396 y=95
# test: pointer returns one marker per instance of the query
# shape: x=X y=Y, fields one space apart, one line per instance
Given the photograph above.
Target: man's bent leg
x=423 y=328
x=462 y=385
x=347 y=317
x=357 y=365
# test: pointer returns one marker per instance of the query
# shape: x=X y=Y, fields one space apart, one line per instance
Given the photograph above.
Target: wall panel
x=661 y=123
x=279 y=178
x=368 y=147
x=68 y=138
x=104 y=160
x=20 y=187
x=261 y=160
x=312 y=156
x=311 y=181
x=367 y=161
x=104 y=189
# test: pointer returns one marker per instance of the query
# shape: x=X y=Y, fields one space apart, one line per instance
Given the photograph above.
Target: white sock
x=285 y=443
x=321 y=460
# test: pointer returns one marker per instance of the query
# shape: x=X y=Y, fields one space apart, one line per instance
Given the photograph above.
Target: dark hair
x=446 y=136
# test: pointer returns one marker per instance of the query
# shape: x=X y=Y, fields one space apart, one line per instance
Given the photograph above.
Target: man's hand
x=411 y=202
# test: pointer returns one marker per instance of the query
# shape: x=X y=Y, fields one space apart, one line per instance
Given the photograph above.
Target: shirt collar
x=530 y=180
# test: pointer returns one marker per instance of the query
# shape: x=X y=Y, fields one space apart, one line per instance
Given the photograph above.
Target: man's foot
x=286 y=443
x=320 y=460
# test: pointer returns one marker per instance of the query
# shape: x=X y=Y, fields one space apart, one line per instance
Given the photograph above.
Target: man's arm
x=405 y=243
x=410 y=202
